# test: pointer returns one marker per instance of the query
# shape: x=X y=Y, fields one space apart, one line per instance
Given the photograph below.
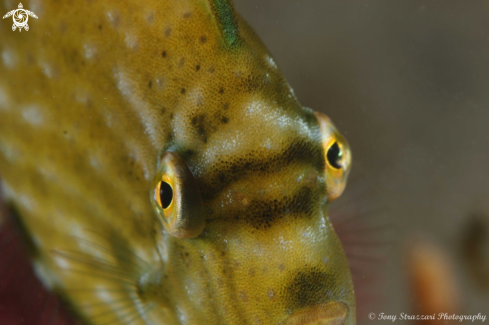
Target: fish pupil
x=166 y=194
x=335 y=155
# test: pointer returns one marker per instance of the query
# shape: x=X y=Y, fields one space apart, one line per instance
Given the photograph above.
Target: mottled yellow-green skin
x=93 y=94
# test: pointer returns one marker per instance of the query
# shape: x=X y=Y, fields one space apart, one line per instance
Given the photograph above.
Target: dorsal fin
x=227 y=21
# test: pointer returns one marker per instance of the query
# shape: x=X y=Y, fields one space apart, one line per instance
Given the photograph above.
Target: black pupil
x=166 y=194
x=334 y=156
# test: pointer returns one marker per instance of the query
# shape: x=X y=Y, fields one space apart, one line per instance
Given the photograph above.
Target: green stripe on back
x=227 y=21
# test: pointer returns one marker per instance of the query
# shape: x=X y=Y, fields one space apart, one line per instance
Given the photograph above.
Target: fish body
x=103 y=103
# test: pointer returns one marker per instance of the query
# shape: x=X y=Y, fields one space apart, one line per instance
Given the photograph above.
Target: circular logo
x=371 y=316
x=20 y=18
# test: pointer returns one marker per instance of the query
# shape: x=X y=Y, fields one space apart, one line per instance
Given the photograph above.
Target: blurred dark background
x=407 y=82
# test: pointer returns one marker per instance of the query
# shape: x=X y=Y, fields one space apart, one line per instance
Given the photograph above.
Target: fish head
x=245 y=230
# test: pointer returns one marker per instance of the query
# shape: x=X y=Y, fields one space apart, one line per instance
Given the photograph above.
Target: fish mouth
x=331 y=313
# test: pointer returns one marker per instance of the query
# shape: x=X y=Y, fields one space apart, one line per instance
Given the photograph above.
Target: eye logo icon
x=20 y=16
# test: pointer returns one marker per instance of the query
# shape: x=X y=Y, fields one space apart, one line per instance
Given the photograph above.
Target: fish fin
x=363 y=220
x=227 y=22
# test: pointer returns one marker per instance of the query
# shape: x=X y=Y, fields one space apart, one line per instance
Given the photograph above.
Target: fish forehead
x=255 y=137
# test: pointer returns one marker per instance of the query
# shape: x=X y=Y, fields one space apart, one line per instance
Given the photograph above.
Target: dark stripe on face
x=301 y=150
x=262 y=214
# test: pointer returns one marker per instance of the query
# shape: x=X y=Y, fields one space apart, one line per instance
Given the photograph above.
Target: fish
x=164 y=171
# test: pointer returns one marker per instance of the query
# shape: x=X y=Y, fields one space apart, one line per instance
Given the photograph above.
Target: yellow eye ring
x=164 y=194
x=176 y=198
x=337 y=157
x=334 y=155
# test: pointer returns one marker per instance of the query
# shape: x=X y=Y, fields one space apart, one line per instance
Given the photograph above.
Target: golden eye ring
x=176 y=198
x=337 y=157
x=334 y=156
x=164 y=194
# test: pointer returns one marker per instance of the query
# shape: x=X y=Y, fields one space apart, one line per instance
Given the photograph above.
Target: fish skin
x=92 y=95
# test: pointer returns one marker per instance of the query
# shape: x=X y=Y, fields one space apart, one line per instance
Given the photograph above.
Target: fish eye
x=176 y=197
x=337 y=157
x=164 y=194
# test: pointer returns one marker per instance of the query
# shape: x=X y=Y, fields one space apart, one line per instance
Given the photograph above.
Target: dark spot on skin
x=171 y=116
x=222 y=178
x=168 y=31
x=197 y=67
x=170 y=137
x=226 y=106
x=100 y=27
x=212 y=70
x=186 y=253
x=187 y=154
x=150 y=84
x=181 y=63
x=224 y=120
x=187 y=15
x=308 y=288
x=203 y=39
x=221 y=90
x=182 y=91
x=163 y=54
x=163 y=111
x=201 y=126
x=65 y=132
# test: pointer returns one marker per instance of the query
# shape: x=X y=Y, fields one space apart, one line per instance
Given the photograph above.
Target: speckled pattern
x=92 y=96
